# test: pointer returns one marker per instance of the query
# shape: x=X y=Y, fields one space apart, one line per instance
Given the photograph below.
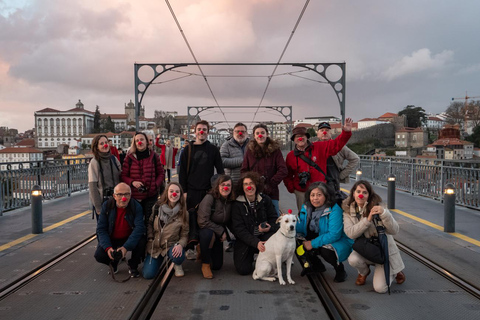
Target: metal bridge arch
x=321 y=69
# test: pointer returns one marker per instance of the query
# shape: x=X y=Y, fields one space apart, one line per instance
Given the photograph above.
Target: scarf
x=168 y=213
x=316 y=214
x=109 y=181
x=142 y=154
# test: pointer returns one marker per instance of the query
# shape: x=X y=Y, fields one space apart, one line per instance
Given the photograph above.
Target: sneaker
x=191 y=254
x=134 y=273
x=340 y=275
x=178 y=270
x=229 y=247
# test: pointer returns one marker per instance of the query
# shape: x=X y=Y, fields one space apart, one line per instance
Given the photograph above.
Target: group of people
x=240 y=202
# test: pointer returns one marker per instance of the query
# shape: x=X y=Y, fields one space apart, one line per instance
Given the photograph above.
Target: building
x=19 y=154
x=370 y=122
x=450 y=146
x=315 y=121
x=411 y=138
x=56 y=127
x=434 y=123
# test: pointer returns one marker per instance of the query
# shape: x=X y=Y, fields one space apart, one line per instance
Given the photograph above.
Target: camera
x=263 y=225
x=117 y=255
x=107 y=192
x=304 y=177
x=142 y=189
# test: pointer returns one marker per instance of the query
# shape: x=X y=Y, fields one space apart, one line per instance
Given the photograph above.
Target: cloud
x=418 y=61
x=471 y=69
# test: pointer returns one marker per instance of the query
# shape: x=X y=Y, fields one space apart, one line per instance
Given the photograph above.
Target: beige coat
x=161 y=239
x=354 y=228
x=352 y=162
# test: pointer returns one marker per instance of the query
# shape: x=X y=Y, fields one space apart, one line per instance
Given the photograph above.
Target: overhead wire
x=281 y=55
x=194 y=57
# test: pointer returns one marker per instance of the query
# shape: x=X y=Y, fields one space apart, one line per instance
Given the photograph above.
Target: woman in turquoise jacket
x=320 y=222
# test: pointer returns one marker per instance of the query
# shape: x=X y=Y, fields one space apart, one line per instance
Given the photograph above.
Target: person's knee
x=354 y=261
x=149 y=273
x=380 y=288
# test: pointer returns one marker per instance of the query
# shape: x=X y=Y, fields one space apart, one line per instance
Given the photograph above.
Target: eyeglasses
x=123 y=194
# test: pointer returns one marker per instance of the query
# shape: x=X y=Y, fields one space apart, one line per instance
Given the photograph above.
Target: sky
x=397 y=53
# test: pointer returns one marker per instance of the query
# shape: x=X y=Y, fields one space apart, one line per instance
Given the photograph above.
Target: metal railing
x=56 y=178
x=426 y=179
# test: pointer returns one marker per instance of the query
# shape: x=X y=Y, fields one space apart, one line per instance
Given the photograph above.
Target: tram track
x=458 y=281
x=36 y=272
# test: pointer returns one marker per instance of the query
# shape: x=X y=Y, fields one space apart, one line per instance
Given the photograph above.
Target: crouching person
x=121 y=228
x=167 y=232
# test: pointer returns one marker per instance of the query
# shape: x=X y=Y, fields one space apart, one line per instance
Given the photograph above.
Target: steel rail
x=465 y=285
x=147 y=305
x=30 y=276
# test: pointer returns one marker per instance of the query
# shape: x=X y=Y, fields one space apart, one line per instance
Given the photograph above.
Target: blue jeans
x=277 y=208
x=152 y=265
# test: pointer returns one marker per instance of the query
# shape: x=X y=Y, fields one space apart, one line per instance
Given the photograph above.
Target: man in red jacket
x=299 y=161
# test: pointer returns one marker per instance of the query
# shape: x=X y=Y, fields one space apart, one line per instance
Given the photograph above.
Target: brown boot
x=199 y=254
x=400 y=278
x=207 y=272
x=361 y=279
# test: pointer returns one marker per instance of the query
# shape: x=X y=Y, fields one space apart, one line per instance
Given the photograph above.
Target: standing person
x=253 y=221
x=303 y=159
x=233 y=151
x=359 y=210
x=336 y=167
x=143 y=171
x=321 y=223
x=167 y=157
x=264 y=156
x=121 y=228
x=103 y=173
x=213 y=217
x=122 y=154
x=197 y=164
x=184 y=143
x=167 y=232
x=113 y=149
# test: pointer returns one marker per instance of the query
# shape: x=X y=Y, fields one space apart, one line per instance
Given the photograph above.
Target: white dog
x=278 y=249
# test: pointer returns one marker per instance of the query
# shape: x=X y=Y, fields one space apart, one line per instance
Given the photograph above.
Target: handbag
x=370 y=249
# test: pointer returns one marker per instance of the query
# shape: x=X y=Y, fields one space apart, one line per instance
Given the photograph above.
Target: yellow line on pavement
x=433 y=225
x=53 y=226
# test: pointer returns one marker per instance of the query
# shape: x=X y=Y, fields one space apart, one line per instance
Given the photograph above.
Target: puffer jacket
x=272 y=168
x=144 y=171
x=106 y=224
x=330 y=230
x=354 y=228
x=232 y=158
x=244 y=223
x=352 y=162
x=161 y=239
x=215 y=219
x=317 y=151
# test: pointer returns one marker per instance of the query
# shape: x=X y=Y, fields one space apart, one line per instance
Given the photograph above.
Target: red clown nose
x=174 y=194
x=105 y=145
x=300 y=139
x=201 y=132
x=260 y=136
x=290 y=211
x=225 y=188
x=360 y=196
x=240 y=133
x=249 y=188
x=140 y=143
x=324 y=132
x=124 y=199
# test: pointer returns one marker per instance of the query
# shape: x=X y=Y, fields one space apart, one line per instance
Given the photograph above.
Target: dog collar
x=286 y=236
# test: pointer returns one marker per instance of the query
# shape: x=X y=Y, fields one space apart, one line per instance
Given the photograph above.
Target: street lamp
x=449 y=208
x=391 y=191
x=359 y=175
x=36 y=204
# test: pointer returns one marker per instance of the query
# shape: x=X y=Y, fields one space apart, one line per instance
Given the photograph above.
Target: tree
x=96 y=121
x=455 y=113
x=312 y=132
x=415 y=116
x=475 y=137
x=109 y=125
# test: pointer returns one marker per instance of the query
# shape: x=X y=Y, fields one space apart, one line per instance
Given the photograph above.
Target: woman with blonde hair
x=167 y=232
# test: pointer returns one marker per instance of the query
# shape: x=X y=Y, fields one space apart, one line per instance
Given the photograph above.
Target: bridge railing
x=55 y=177
x=426 y=179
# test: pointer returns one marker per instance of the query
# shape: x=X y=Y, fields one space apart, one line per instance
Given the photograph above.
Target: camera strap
x=113 y=274
x=313 y=164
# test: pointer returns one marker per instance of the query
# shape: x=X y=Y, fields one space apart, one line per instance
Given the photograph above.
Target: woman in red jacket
x=167 y=156
x=143 y=171
x=264 y=156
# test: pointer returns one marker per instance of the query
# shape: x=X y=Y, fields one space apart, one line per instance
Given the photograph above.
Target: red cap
x=260 y=135
x=290 y=211
x=249 y=188
x=124 y=199
x=360 y=196
x=174 y=194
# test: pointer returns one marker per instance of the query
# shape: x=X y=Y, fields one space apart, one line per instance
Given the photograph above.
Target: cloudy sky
x=55 y=52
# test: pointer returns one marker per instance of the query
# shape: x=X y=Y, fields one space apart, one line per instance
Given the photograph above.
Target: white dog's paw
x=269 y=279
x=282 y=282
x=291 y=281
